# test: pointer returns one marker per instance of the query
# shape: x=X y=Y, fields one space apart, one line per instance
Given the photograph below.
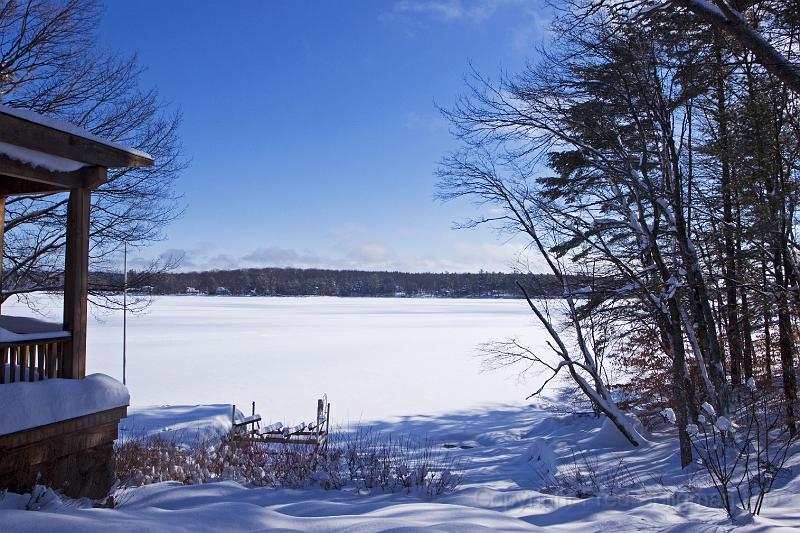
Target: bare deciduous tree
x=50 y=63
x=664 y=159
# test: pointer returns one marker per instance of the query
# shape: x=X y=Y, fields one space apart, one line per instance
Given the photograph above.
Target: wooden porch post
x=2 y=235
x=76 y=282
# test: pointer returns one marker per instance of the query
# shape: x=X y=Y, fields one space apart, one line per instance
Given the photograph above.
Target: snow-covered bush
x=377 y=461
x=745 y=452
x=585 y=477
x=147 y=460
x=363 y=459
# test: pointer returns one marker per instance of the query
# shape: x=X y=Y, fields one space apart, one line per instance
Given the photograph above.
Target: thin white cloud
x=367 y=256
x=449 y=10
x=473 y=11
x=369 y=253
x=272 y=255
x=223 y=262
x=533 y=29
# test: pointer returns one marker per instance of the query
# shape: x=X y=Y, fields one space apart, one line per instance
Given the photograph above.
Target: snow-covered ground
x=374 y=357
x=406 y=367
x=182 y=424
x=508 y=453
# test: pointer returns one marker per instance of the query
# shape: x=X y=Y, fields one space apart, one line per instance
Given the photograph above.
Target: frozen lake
x=374 y=357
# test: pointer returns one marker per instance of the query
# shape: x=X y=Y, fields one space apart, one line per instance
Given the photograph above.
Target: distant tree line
x=323 y=282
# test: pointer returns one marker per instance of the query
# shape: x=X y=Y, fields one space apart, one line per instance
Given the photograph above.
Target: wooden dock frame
x=315 y=434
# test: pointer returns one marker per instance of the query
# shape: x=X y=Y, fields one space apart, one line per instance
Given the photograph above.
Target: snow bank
x=184 y=424
x=609 y=436
x=167 y=507
x=28 y=405
x=542 y=459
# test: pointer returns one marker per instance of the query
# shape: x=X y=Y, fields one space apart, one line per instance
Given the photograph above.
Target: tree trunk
x=682 y=396
x=747 y=323
x=699 y=297
x=785 y=344
x=730 y=275
x=787 y=366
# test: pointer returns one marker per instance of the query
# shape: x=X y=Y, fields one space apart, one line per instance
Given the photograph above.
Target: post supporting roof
x=40 y=155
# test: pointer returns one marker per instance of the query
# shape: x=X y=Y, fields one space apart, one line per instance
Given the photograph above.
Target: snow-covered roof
x=35 y=158
x=7 y=335
x=67 y=127
x=20 y=329
x=56 y=147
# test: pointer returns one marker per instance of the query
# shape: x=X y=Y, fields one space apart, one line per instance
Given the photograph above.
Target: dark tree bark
x=733 y=333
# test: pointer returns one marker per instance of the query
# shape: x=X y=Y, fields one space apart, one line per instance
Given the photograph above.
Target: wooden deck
x=73 y=455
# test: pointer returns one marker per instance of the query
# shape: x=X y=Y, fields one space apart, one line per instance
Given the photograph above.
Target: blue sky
x=312 y=128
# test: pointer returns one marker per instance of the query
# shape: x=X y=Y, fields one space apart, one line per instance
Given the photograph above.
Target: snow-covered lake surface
x=376 y=358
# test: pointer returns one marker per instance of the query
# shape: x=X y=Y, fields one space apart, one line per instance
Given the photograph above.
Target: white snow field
x=408 y=367
x=374 y=357
x=509 y=455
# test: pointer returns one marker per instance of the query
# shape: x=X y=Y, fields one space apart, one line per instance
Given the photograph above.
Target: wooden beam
x=49 y=181
x=76 y=282
x=26 y=437
x=35 y=136
x=15 y=186
x=2 y=237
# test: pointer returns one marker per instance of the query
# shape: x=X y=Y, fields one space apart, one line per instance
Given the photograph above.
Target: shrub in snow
x=372 y=460
x=154 y=459
x=743 y=453
x=362 y=459
x=584 y=477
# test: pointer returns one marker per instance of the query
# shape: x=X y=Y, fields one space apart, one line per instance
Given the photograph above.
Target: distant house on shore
x=192 y=291
x=222 y=291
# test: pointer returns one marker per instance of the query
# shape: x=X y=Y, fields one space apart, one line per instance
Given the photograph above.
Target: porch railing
x=34 y=360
